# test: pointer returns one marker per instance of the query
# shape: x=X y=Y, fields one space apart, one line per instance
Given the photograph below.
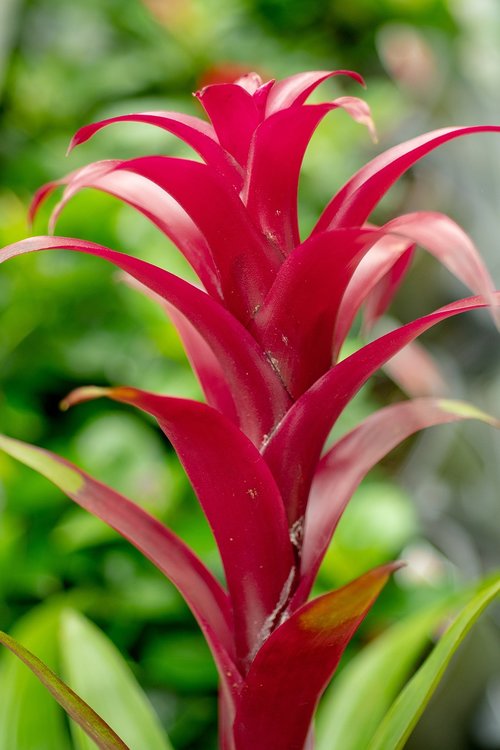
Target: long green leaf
x=409 y=705
x=358 y=699
x=86 y=717
x=94 y=667
x=25 y=705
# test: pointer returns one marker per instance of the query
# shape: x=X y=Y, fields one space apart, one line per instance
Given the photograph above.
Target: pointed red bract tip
x=39 y=198
x=71 y=146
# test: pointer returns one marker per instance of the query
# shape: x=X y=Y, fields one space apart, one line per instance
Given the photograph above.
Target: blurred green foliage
x=67 y=320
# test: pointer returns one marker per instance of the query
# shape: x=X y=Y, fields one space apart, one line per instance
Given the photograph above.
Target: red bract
x=263 y=333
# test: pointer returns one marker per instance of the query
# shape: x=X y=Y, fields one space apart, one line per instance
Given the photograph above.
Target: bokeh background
x=68 y=321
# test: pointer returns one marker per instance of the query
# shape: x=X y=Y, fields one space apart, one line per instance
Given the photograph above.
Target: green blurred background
x=67 y=321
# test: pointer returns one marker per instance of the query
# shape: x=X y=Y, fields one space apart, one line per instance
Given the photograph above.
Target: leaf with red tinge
x=204 y=595
x=294 y=665
x=346 y=464
x=354 y=202
x=259 y=395
x=294 y=90
x=293 y=450
x=210 y=234
x=192 y=130
x=246 y=263
x=239 y=497
x=276 y=155
x=91 y=723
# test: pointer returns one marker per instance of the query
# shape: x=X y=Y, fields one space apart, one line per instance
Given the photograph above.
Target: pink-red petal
x=234 y=115
x=204 y=363
x=378 y=299
x=276 y=155
x=415 y=371
x=384 y=267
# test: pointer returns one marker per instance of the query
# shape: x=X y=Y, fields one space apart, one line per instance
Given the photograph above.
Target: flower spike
x=263 y=331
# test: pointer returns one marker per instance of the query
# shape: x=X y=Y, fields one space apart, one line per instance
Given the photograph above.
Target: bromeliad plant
x=263 y=331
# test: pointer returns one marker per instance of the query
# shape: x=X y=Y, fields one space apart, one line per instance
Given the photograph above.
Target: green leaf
x=409 y=705
x=94 y=667
x=91 y=723
x=358 y=699
x=25 y=705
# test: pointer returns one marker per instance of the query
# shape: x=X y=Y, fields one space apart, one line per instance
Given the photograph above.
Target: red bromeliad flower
x=263 y=332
